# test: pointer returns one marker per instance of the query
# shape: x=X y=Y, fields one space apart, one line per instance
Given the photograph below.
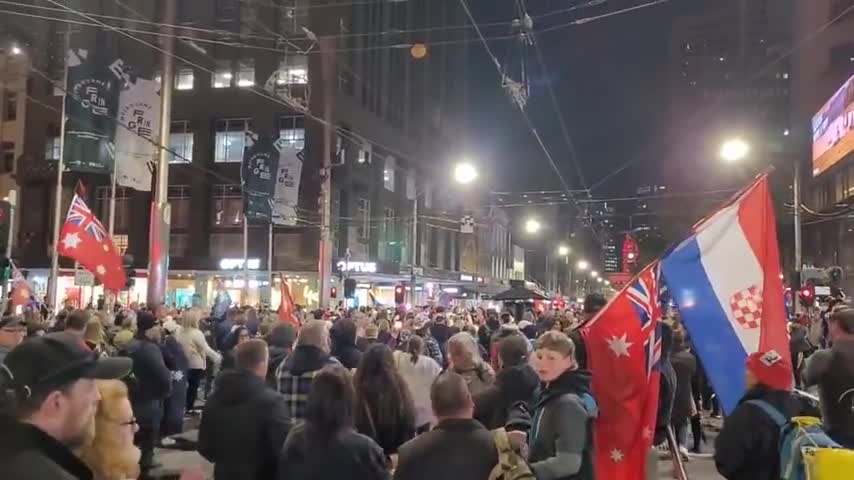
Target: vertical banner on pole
x=91 y=103
x=137 y=135
x=260 y=163
x=286 y=194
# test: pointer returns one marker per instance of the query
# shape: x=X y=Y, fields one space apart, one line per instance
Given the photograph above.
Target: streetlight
x=594 y=274
x=582 y=265
x=563 y=250
x=16 y=50
x=607 y=283
x=734 y=149
x=532 y=226
x=465 y=173
x=599 y=279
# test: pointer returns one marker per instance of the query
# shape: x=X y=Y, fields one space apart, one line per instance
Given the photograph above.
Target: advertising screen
x=833 y=129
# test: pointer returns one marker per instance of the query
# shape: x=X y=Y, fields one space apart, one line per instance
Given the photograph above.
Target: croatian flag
x=725 y=279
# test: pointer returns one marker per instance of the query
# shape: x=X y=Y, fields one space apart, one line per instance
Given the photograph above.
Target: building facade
x=272 y=68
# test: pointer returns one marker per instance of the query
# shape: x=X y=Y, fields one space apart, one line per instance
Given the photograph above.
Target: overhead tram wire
x=759 y=73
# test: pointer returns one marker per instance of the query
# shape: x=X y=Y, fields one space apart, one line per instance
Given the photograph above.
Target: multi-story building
x=259 y=66
x=820 y=68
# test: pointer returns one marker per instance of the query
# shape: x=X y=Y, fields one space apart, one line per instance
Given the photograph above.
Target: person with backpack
x=747 y=447
x=458 y=447
x=832 y=369
x=464 y=358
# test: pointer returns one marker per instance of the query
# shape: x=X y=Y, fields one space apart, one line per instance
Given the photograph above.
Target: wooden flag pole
x=678 y=466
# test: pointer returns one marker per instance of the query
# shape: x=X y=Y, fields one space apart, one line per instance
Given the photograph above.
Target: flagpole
x=245 y=260
x=53 y=285
x=109 y=297
x=270 y=261
x=678 y=465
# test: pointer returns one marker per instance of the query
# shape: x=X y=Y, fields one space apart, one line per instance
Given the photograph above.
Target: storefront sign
x=360 y=267
x=237 y=263
x=466 y=278
x=83 y=278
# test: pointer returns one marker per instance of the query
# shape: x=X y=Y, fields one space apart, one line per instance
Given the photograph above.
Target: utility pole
x=53 y=285
x=158 y=237
x=796 y=194
x=414 y=248
x=327 y=94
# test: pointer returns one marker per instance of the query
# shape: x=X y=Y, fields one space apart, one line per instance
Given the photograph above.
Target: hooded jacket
x=561 y=435
x=747 y=447
x=244 y=425
x=512 y=385
x=832 y=370
x=27 y=453
x=343 y=338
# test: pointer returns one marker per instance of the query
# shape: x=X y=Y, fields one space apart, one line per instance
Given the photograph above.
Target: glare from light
x=607 y=282
x=465 y=173
x=563 y=250
x=734 y=150
x=594 y=274
x=631 y=255
x=599 y=279
x=583 y=265
x=16 y=50
x=532 y=226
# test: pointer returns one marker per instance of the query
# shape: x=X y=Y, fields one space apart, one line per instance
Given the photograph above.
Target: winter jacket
x=3 y=352
x=295 y=374
x=277 y=356
x=343 y=338
x=560 y=439
x=419 y=377
x=348 y=455
x=244 y=425
x=512 y=385
x=478 y=378
x=457 y=448
x=197 y=349
x=685 y=366
x=747 y=447
x=28 y=453
x=432 y=349
x=833 y=371
x=152 y=380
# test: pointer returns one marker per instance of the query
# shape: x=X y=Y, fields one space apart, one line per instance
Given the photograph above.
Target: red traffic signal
x=399 y=295
x=333 y=292
x=807 y=295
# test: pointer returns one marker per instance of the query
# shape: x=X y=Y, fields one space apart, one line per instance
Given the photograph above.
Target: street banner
x=84 y=239
x=287 y=309
x=287 y=186
x=91 y=103
x=22 y=291
x=260 y=163
x=137 y=133
x=624 y=354
x=725 y=279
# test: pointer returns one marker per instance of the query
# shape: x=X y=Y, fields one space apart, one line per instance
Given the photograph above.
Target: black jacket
x=277 y=356
x=561 y=434
x=685 y=366
x=512 y=385
x=454 y=449
x=343 y=338
x=152 y=380
x=348 y=455
x=747 y=447
x=27 y=453
x=244 y=425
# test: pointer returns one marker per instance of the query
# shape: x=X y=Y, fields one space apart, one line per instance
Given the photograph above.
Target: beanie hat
x=770 y=369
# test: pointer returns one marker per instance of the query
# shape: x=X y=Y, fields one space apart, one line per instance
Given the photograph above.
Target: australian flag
x=624 y=350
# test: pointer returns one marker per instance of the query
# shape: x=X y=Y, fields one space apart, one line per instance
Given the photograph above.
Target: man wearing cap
x=12 y=332
x=832 y=369
x=747 y=447
x=51 y=380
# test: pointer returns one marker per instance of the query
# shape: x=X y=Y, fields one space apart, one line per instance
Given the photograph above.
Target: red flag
x=287 y=308
x=624 y=350
x=84 y=239
x=21 y=289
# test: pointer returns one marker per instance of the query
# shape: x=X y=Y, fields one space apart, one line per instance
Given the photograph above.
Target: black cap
x=45 y=363
x=594 y=302
x=12 y=321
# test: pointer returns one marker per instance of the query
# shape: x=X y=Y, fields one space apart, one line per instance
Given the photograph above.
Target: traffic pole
x=796 y=194
x=414 y=248
x=53 y=285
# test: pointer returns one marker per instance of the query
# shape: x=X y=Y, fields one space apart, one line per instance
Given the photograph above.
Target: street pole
x=158 y=239
x=796 y=193
x=327 y=77
x=414 y=248
x=53 y=285
x=270 y=264
x=245 y=292
x=12 y=198
x=109 y=297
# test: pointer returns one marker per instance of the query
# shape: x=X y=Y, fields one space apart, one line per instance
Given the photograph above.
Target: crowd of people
x=367 y=393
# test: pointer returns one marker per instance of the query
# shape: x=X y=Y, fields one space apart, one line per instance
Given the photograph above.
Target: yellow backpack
x=511 y=465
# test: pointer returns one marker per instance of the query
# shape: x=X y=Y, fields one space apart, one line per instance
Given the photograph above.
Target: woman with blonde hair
x=110 y=453
x=94 y=337
x=198 y=352
x=464 y=358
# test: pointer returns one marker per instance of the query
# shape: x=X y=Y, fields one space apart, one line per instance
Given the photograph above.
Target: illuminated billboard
x=833 y=129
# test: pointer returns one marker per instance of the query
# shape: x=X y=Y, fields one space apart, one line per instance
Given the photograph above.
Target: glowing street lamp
x=16 y=50
x=583 y=265
x=594 y=274
x=465 y=173
x=563 y=250
x=532 y=226
x=599 y=279
x=734 y=149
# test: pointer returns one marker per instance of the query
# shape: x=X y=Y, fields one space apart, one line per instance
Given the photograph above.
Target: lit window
x=294 y=71
x=222 y=75
x=410 y=186
x=388 y=173
x=246 y=74
x=181 y=142
x=364 y=216
x=364 y=154
x=231 y=140
x=52 y=149
x=184 y=79
x=292 y=131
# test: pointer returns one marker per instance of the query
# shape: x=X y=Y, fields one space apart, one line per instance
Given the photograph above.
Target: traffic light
x=349 y=288
x=127 y=262
x=399 y=295
x=333 y=292
x=807 y=295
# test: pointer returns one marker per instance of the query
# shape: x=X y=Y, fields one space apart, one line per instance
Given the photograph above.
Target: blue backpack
x=795 y=435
